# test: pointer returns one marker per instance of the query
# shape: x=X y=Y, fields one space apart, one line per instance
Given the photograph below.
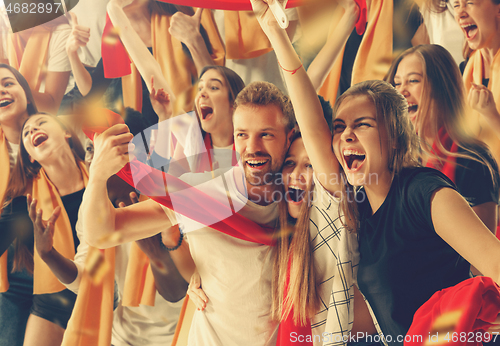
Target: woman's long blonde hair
x=293 y=244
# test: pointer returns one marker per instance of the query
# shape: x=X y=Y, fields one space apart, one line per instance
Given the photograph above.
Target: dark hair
x=20 y=180
x=233 y=80
x=31 y=108
x=264 y=94
x=327 y=111
x=24 y=171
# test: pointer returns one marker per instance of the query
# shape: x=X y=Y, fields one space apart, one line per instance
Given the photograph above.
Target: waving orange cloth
x=92 y=318
x=178 y=69
x=244 y=36
x=44 y=281
x=4 y=181
x=374 y=55
x=474 y=73
x=28 y=53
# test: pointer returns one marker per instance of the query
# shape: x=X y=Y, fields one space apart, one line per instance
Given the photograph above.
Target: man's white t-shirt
x=235 y=274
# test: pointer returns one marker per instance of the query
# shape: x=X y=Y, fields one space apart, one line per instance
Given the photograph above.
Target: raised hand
x=121 y=3
x=43 y=230
x=186 y=28
x=160 y=100
x=111 y=151
x=79 y=36
x=264 y=14
x=481 y=99
x=195 y=292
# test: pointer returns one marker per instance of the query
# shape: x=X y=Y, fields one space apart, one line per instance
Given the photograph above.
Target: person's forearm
x=302 y=94
x=322 y=64
x=64 y=269
x=55 y=85
x=98 y=213
x=83 y=79
x=143 y=60
x=168 y=280
x=199 y=53
x=494 y=121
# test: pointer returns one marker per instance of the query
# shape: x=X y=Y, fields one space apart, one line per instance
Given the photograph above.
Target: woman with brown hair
x=50 y=167
x=431 y=83
x=413 y=226
x=16 y=287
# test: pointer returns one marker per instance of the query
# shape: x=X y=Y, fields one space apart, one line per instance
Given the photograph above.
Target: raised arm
x=323 y=62
x=139 y=53
x=461 y=228
x=100 y=218
x=186 y=29
x=169 y=261
x=315 y=133
x=481 y=99
x=63 y=268
x=79 y=37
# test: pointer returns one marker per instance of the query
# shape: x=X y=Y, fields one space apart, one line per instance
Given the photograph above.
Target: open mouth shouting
x=256 y=164
x=5 y=102
x=206 y=112
x=295 y=195
x=38 y=139
x=470 y=30
x=412 y=107
x=354 y=159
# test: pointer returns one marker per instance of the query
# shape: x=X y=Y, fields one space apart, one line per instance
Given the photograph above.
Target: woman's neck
x=65 y=174
x=12 y=130
x=488 y=55
x=222 y=139
x=377 y=191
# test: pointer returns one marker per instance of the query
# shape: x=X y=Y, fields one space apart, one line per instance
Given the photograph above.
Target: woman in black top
x=49 y=154
x=431 y=83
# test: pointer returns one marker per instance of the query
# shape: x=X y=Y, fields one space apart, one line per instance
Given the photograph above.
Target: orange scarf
x=474 y=73
x=92 y=318
x=244 y=36
x=139 y=280
x=178 y=69
x=44 y=281
x=4 y=181
x=29 y=57
x=374 y=55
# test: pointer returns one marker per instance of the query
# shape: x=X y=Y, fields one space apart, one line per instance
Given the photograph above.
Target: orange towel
x=178 y=69
x=374 y=55
x=28 y=53
x=244 y=36
x=44 y=281
x=92 y=318
x=474 y=73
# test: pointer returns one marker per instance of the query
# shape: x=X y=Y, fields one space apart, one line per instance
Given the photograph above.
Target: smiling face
x=409 y=82
x=480 y=22
x=360 y=141
x=298 y=176
x=13 y=101
x=261 y=140
x=212 y=102
x=43 y=137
